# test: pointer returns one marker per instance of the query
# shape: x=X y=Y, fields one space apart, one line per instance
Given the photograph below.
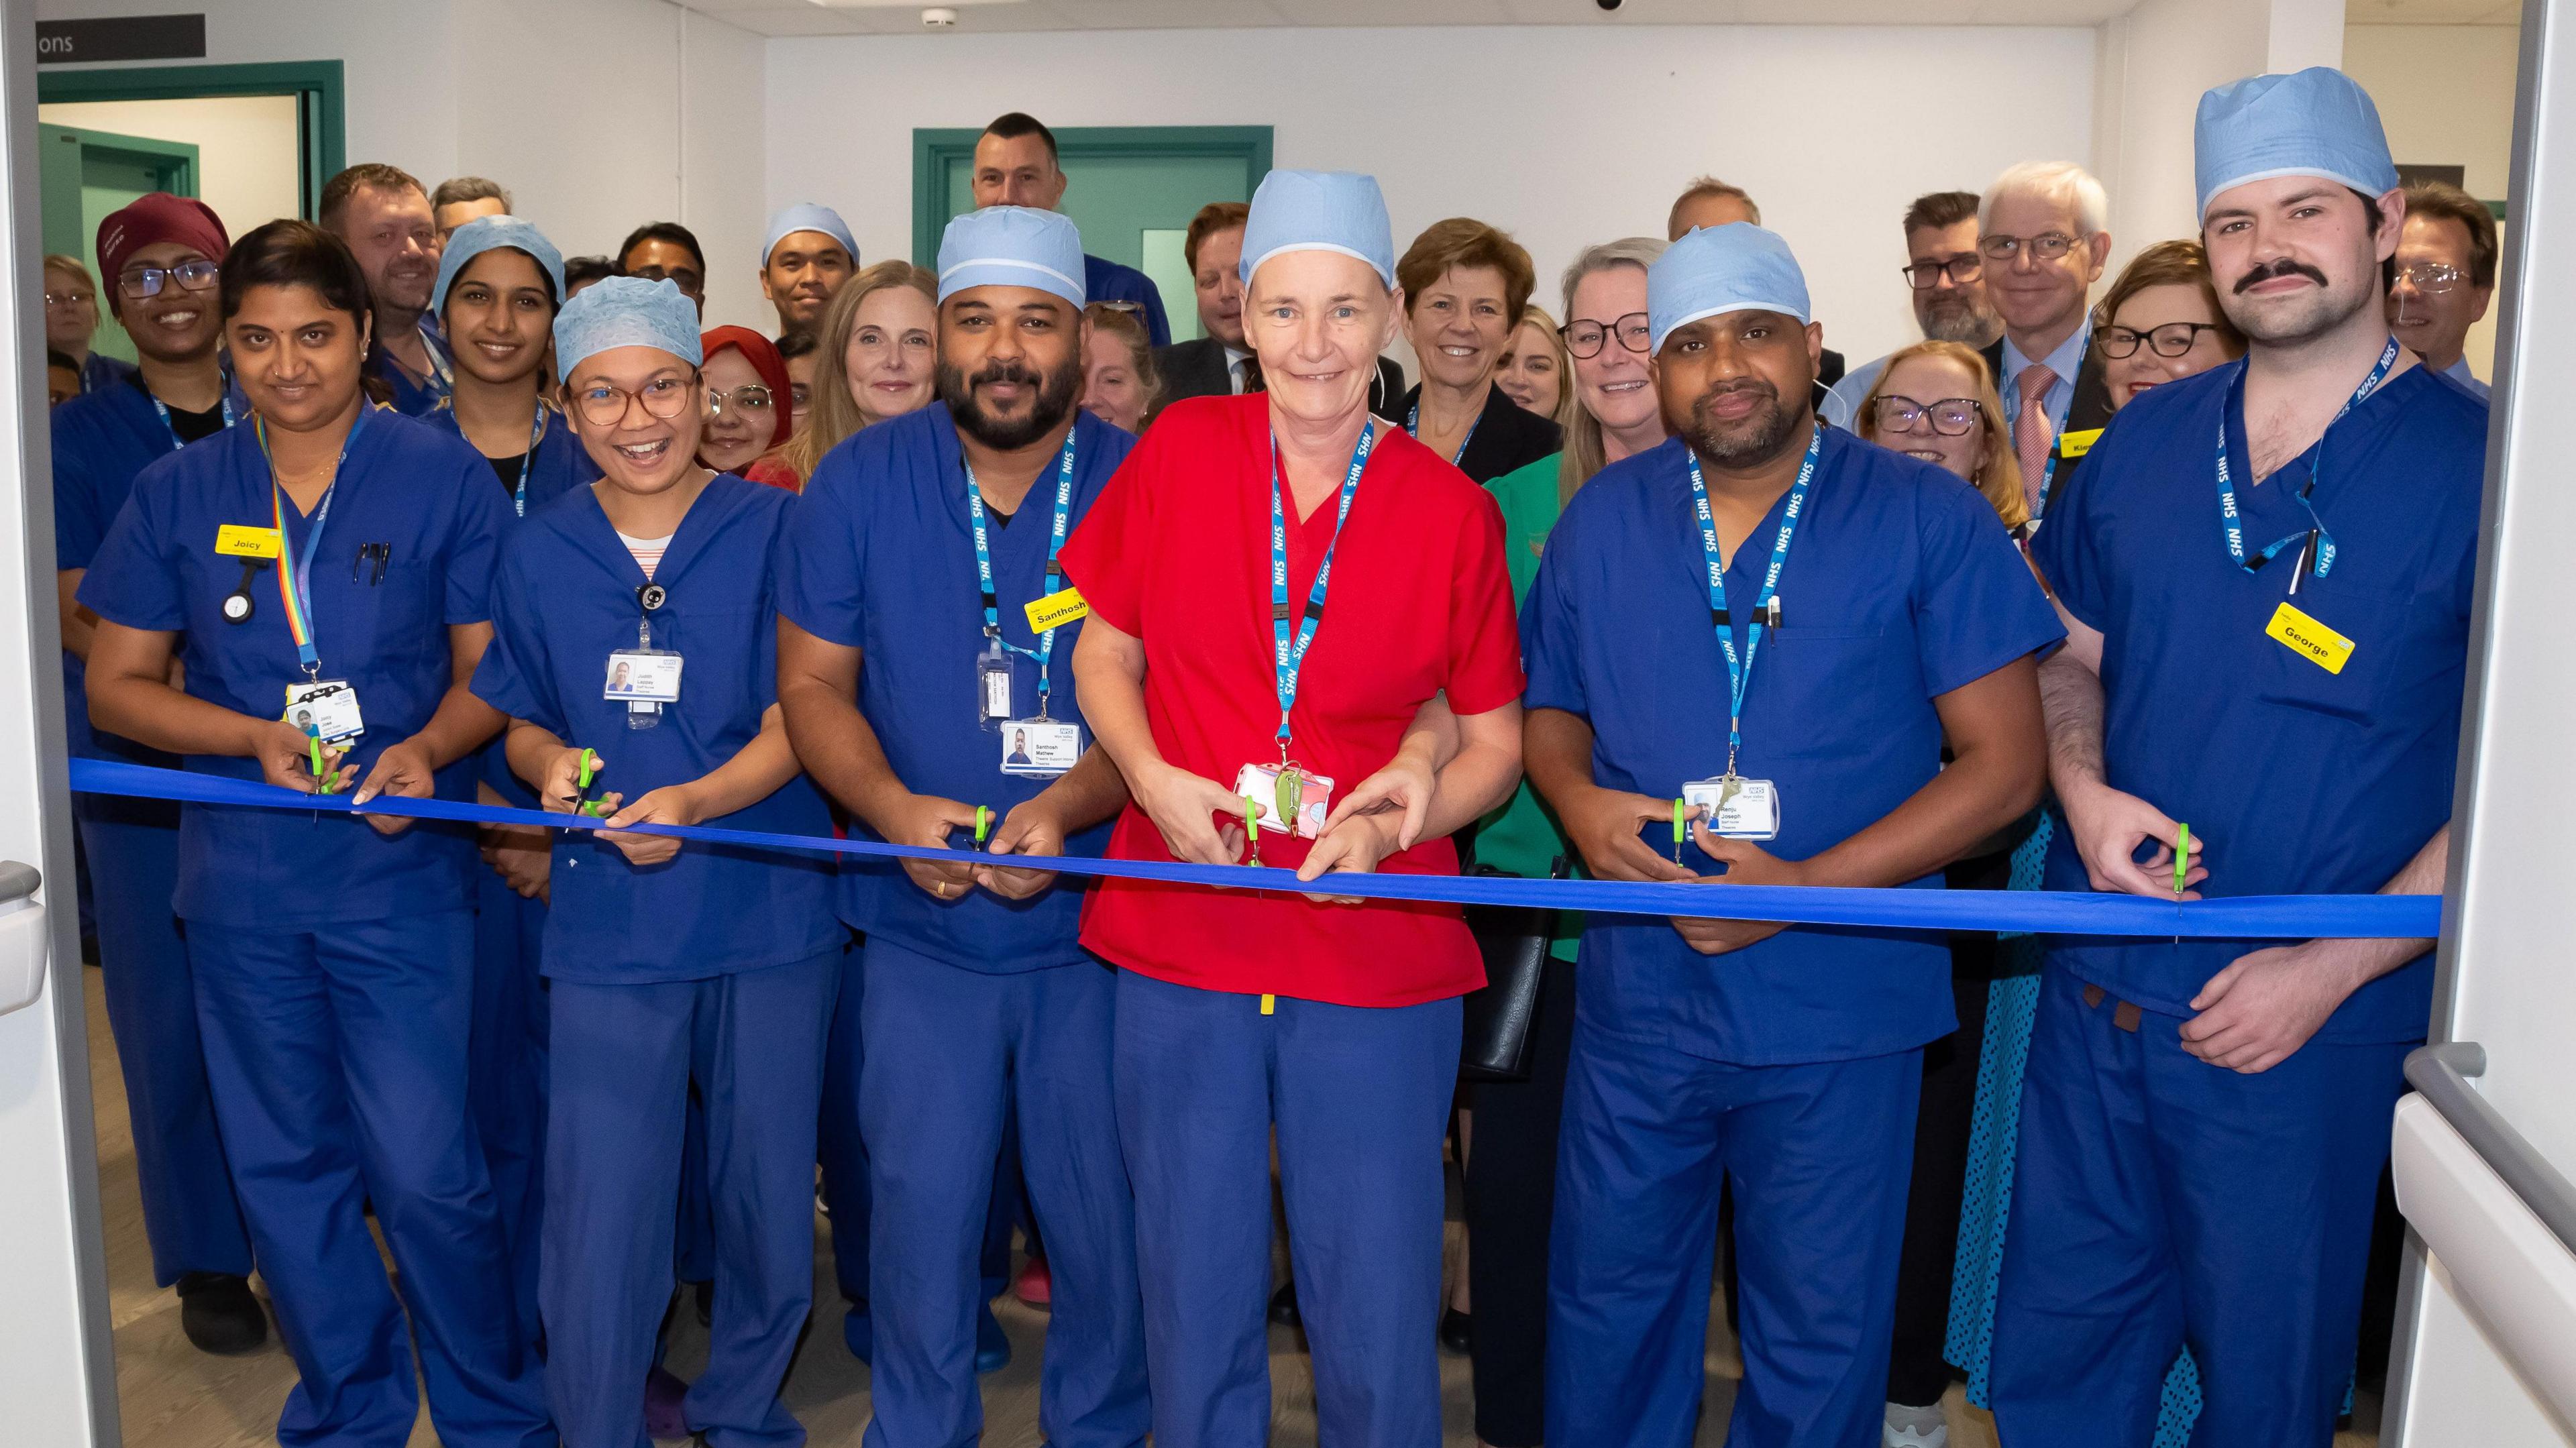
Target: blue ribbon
x=2245 y=917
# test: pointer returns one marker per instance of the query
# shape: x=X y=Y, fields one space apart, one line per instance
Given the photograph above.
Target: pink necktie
x=2032 y=434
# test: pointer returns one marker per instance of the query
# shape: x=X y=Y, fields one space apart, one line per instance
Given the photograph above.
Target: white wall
x=247 y=167
x=1563 y=136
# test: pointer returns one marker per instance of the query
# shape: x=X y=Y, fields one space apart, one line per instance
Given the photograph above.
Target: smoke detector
x=939 y=17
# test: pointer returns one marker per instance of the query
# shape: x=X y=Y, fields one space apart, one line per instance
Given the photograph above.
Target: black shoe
x=219 y=1314
x=705 y=1292
x=1283 y=1306
x=1457 y=1331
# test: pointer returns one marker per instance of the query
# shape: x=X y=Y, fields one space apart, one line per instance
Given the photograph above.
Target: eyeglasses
x=751 y=399
x=2047 y=246
x=67 y=299
x=1962 y=269
x=687 y=280
x=603 y=404
x=1951 y=416
x=1585 y=337
x=2432 y=278
x=147 y=281
x=2170 y=340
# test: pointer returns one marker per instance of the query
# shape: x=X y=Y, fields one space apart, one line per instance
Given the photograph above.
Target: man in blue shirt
x=2266 y=573
x=1016 y=165
x=911 y=652
x=1806 y=733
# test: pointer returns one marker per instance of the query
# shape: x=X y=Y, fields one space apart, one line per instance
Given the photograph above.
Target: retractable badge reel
x=644 y=678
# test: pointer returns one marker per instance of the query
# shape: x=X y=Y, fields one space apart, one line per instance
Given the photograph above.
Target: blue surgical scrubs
x=1108 y=281
x=333 y=964
x=417 y=397
x=1790 y=1067
x=509 y=1030
x=716 y=966
x=975 y=1005
x=99 y=372
x=130 y=848
x=2161 y=1201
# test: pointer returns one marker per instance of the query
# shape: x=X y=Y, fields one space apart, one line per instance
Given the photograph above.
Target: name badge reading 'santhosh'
x=2309 y=639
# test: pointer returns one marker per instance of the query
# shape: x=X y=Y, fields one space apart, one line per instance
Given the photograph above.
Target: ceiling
x=903 y=17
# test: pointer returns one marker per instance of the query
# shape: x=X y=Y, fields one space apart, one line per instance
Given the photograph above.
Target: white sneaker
x=1915 y=1427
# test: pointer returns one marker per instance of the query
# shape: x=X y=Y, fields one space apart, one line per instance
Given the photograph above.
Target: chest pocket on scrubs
x=397 y=616
x=1803 y=670
x=2382 y=629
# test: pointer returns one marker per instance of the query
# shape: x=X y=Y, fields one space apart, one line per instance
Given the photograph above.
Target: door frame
x=318 y=87
x=934 y=147
x=181 y=155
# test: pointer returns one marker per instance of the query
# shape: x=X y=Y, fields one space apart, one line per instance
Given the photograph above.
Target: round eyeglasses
x=1585 y=337
x=1950 y=417
x=751 y=400
x=603 y=404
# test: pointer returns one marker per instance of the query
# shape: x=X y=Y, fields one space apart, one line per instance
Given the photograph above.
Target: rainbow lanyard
x=295 y=585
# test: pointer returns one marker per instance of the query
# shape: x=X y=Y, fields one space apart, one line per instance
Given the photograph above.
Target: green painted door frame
x=317 y=85
x=935 y=150
x=172 y=166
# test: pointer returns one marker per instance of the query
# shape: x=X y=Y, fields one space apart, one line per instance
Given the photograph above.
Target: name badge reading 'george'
x=2309 y=639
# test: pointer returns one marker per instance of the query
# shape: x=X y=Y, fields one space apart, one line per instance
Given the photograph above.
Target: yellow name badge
x=2309 y=639
x=1057 y=609
x=2073 y=445
x=242 y=540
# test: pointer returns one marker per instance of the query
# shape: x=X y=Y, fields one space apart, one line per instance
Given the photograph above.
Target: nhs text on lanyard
x=1038 y=745
x=325 y=709
x=1736 y=807
x=1413 y=428
x=1287 y=795
x=2315 y=542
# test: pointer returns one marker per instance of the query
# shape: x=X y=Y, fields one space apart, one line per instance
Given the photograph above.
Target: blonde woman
x=1936 y=401
x=877 y=356
x=1532 y=372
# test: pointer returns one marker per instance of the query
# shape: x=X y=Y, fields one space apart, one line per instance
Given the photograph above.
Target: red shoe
x=1036 y=1286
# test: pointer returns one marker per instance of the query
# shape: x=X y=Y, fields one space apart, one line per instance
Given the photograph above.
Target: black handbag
x=1514 y=940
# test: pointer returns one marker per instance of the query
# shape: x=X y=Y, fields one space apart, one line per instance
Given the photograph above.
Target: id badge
x=643 y=680
x=992 y=687
x=325 y=708
x=1736 y=808
x=1046 y=747
x=1312 y=797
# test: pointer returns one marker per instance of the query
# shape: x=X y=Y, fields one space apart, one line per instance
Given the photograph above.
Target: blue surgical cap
x=806 y=216
x=627 y=312
x=1737 y=267
x=2314 y=122
x=1012 y=246
x=1319 y=211
x=491 y=233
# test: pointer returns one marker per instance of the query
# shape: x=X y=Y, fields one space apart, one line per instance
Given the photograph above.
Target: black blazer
x=1196 y=368
x=2092 y=405
x=1506 y=438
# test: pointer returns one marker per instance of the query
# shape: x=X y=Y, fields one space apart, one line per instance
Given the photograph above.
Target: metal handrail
x=2440 y=1074
x=18 y=881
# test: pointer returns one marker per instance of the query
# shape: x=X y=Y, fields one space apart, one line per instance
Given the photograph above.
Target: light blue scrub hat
x=490 y=233
x=1737 y=267
x=1319 y=211
x=2314 y=122
x=806 y=216
x=626 y=312
x=1012 y=246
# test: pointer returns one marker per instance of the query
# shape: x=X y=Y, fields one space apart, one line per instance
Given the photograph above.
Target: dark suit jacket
x=1506 y=438
x=2092 y=405
x=1197 y=369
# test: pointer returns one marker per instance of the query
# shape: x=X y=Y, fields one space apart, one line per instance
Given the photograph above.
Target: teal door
x=86 y=176
x=1130 y=189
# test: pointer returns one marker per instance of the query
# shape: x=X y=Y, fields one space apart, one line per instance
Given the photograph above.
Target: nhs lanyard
x=1288 y=657
x=1739 y=672
x=295 y=585
x=2233 y=525
x=1045 y=651
x=163 y=408
x=528 y=459
x=442 y=379
x=1413 y=428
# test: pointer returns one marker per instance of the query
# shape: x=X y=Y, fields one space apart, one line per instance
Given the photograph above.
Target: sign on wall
x=121 y=37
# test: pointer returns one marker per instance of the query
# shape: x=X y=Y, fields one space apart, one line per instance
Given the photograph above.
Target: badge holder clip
x=643 y=678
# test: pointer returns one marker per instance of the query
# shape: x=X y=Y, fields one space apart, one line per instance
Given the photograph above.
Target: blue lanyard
x=1286 y=657
x=1413 y=428
x=2232 y=525
x=300 y=579
x=441 y=379
x=163 y=408
x=1045 y=651
x=1738 y=673
x=528 y=459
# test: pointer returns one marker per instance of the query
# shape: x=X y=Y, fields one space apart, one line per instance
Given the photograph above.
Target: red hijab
x=763 y=356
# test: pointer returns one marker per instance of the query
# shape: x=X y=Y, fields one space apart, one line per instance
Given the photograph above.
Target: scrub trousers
x=189 y=1213
x=623 y=1058
x=1818 y=1158
x=1359 y=1098
x=338 y=1058
x=2163 y=1202
x=507 y=1084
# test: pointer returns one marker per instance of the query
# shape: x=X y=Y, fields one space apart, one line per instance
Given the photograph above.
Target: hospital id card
x=327 y=709
x=1736 y=808
x=643 y=676
x=1042 y=747
x=1310 y=797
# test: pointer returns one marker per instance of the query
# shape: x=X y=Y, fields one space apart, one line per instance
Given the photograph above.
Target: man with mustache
x=2043 y=230
x=1765 y=631
x=1945 y=276
x=384 y=217
x=808 y=255
x=2266 y=572
x=910 y=652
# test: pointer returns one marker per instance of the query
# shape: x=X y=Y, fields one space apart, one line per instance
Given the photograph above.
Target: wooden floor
x=172 y=1396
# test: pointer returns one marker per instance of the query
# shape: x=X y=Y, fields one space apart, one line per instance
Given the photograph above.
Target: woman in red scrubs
x=1212 y=678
